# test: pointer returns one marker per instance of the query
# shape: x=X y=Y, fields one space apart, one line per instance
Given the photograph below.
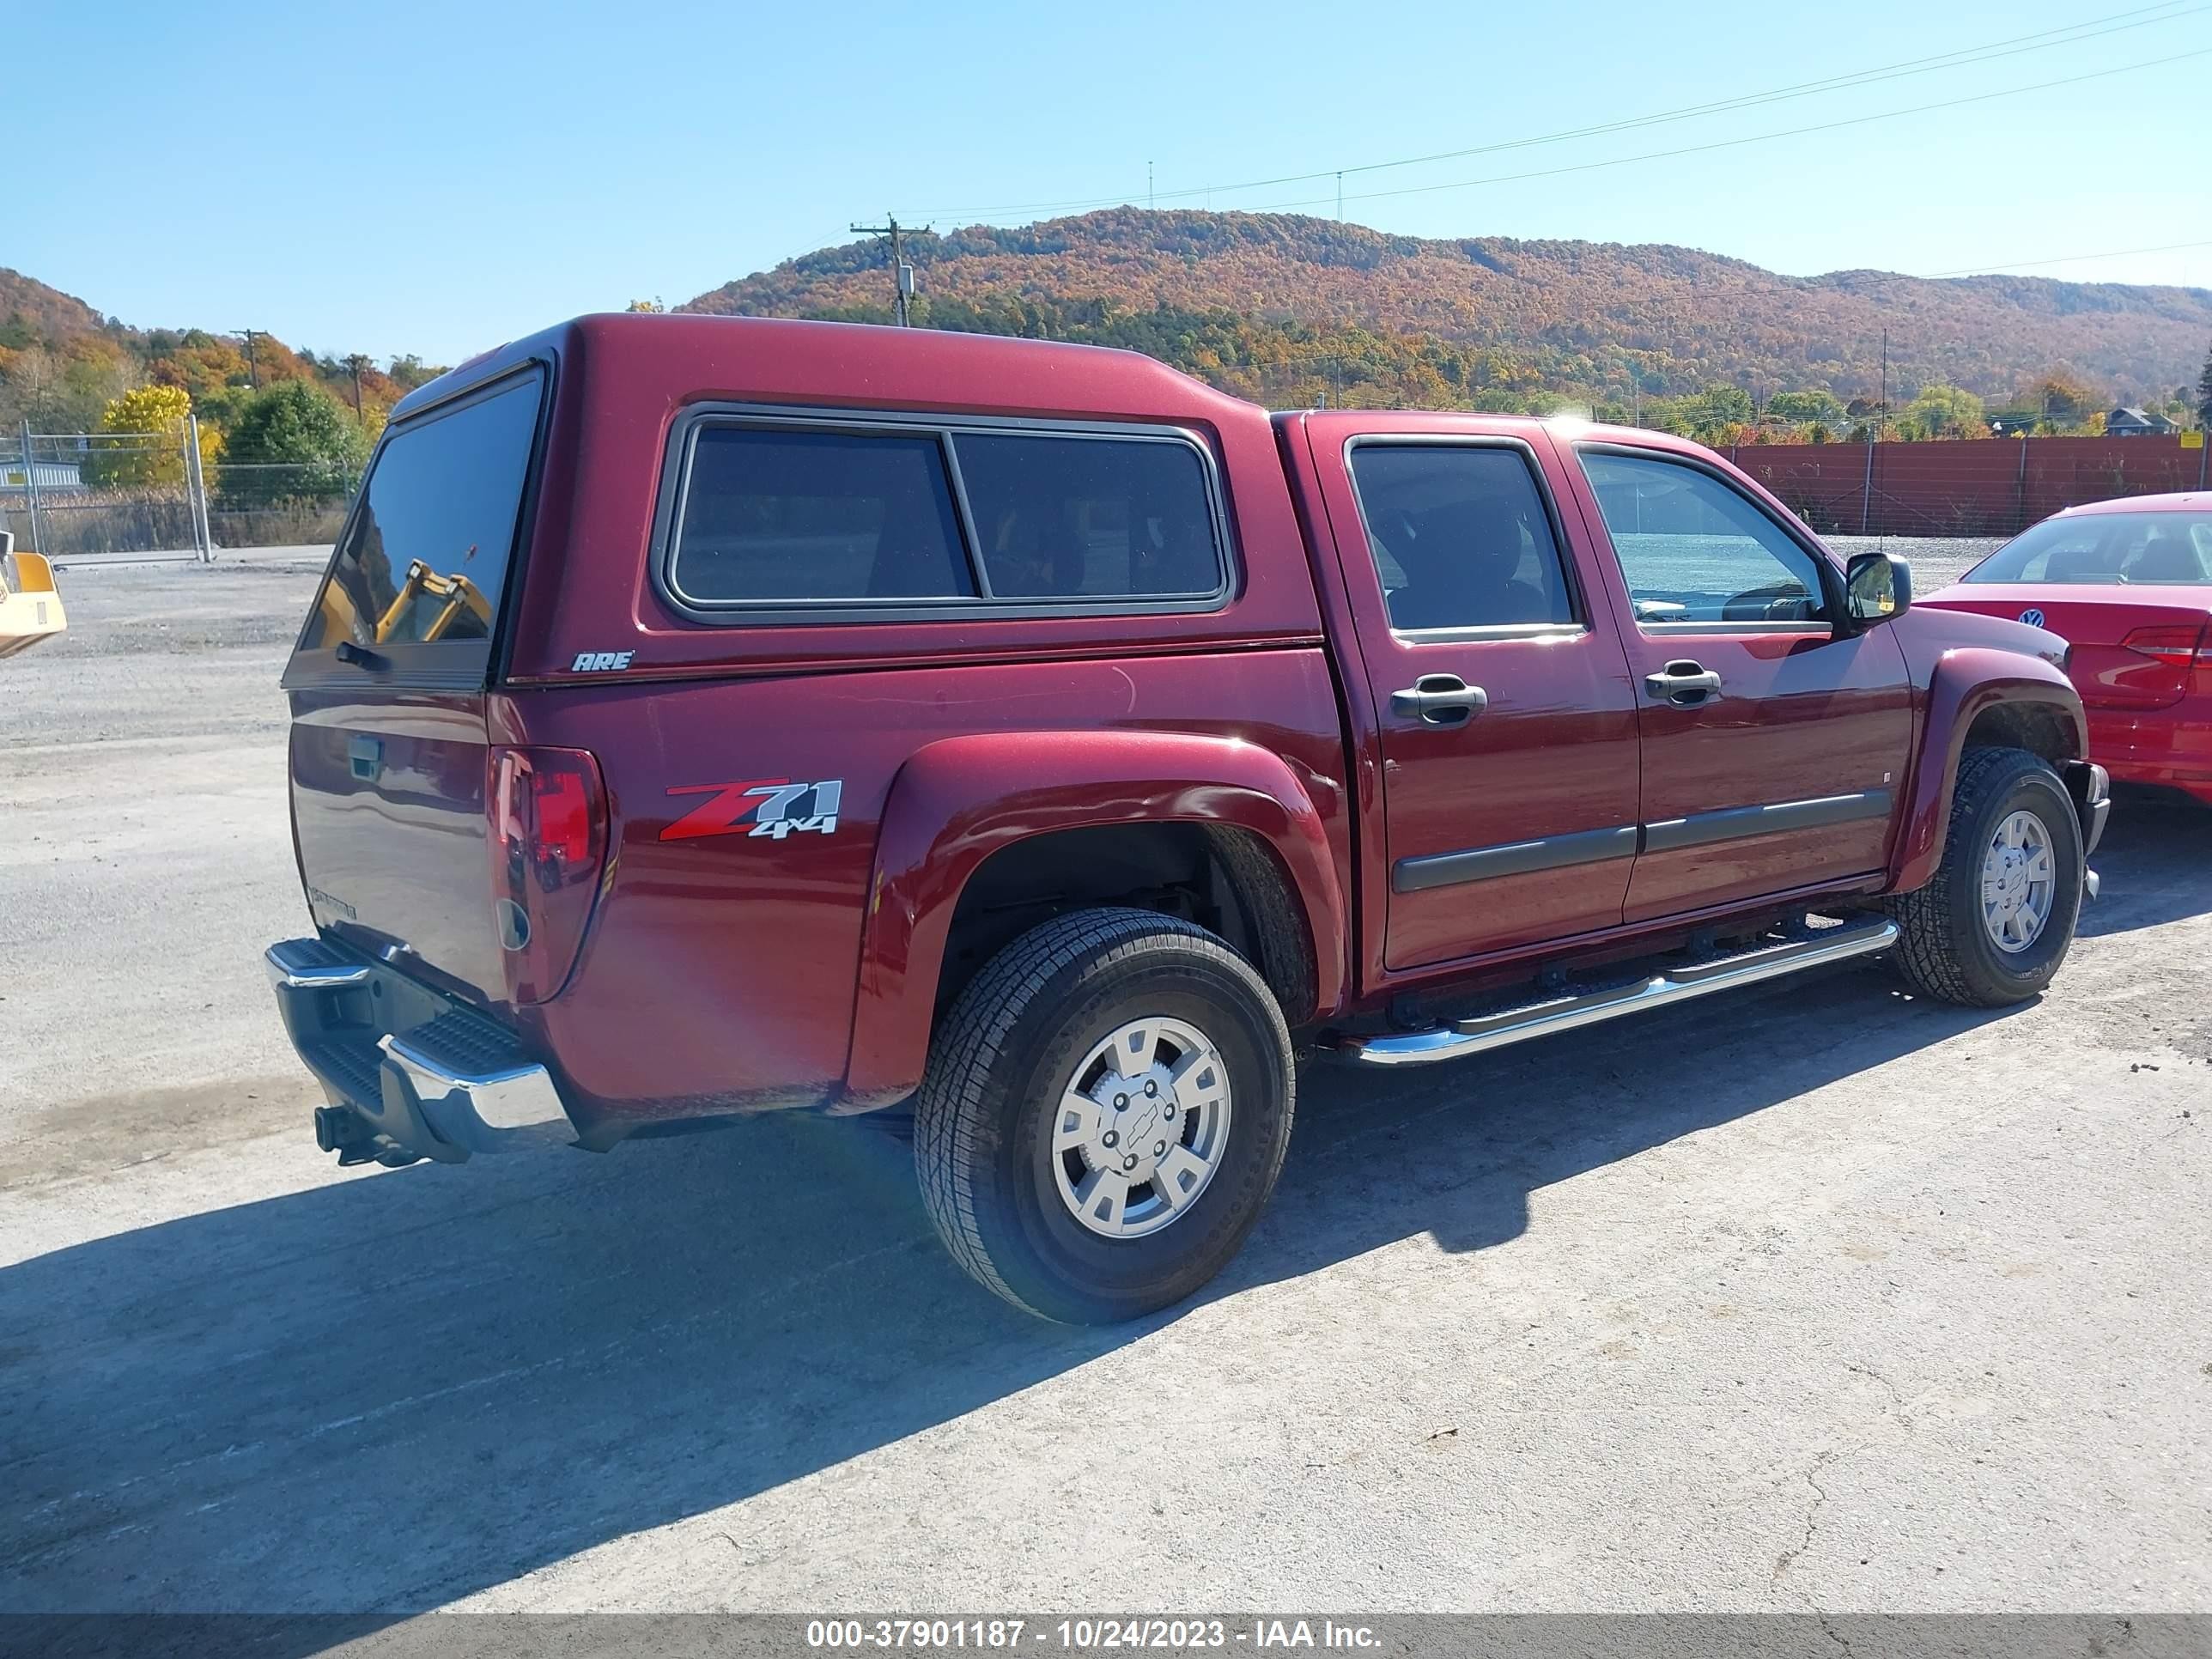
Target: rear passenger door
x=1496 y=680
x=1775 y=734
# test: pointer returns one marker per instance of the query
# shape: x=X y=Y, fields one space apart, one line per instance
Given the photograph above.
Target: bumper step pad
x=410 y=1073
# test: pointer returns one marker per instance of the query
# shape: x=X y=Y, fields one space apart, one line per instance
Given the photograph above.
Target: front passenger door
x=1777 y=734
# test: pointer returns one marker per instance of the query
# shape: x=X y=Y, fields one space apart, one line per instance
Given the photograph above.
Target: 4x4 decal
x=758 y=806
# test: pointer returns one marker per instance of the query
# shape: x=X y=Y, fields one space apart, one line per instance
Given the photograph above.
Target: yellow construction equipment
x=30 y=606
x=456 y=596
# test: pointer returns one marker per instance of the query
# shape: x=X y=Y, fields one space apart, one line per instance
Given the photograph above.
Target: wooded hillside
x=1270 y=304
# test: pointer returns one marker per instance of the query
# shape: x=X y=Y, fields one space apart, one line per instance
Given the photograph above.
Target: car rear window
x=792 y=515
x=1069 y=518
x=772 y=515
x=425 y=555
x=2107 y=548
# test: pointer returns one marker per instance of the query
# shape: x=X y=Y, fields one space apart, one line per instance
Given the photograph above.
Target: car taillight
x=548 y=837
x=2177 y=646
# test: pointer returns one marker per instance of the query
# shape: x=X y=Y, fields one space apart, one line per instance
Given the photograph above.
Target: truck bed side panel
x=720 y=969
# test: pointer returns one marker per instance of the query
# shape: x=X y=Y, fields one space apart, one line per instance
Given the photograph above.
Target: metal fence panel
x=1965 y=486
x=148 y=495
x=70 y=495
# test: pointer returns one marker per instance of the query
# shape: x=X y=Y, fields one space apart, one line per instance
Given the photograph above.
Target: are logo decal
x=599 y=662
x=758 y=806
x=2033 y=616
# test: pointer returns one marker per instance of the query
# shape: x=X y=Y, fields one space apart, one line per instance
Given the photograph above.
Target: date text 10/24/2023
x=1086 y=1635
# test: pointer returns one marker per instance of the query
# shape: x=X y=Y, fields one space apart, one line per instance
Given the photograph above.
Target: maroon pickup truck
x=707 y=716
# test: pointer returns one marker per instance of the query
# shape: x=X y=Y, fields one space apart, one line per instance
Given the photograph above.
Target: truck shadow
x=386 y=1393
x=378 y=1395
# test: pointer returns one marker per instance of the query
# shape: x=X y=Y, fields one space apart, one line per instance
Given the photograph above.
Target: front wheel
x=1104 y=1114
x=1993 y=927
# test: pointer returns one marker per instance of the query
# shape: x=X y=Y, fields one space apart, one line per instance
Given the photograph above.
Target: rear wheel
x=1994 y=925
x=1104 y=1114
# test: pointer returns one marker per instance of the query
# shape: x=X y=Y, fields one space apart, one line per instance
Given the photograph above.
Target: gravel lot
x=1936 y=562
x=1812 y=1298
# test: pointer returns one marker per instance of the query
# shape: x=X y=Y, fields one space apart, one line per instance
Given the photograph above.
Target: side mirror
x=1878 y=587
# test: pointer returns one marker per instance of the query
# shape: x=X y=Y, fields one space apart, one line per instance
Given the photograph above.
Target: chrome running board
x=1567 y=1013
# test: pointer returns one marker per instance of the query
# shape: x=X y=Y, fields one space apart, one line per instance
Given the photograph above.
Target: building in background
x=2138 y=424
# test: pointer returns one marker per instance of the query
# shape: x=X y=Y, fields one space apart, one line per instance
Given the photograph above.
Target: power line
x=2061 y=259
x=1753 y=139
x=2068 y=34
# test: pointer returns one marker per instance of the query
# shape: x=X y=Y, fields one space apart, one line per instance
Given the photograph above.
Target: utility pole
x=357 y=363
x=1880 y=420
x=1884 y=414
x=1340 y=195
x=1150 y=204
x=253 y=372
x=902 y=272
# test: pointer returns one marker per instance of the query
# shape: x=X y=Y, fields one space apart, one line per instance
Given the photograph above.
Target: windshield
x=2165 y=548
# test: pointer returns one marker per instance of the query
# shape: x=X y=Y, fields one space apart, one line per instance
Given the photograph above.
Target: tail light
x=2178 y=646
x=548 y=839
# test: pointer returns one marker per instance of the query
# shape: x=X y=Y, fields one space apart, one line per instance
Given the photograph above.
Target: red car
x=2128 y=585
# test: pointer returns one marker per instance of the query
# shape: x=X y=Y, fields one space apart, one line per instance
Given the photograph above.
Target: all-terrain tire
x=1946 y=951
x=1003 y=1055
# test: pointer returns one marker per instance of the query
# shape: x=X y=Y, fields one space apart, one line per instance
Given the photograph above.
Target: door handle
x=1685 y=684
x=1440 y=700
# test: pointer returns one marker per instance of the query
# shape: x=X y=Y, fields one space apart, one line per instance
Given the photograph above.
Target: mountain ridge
x=1562 y=313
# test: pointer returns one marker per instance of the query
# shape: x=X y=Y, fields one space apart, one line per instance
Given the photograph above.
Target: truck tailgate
x=390 y=754
x=388 y=807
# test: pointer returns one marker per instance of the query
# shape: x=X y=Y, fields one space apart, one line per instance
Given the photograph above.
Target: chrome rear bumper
x=410 y=1073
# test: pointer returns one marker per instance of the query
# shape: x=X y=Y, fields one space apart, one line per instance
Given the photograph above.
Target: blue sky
x=438 y=178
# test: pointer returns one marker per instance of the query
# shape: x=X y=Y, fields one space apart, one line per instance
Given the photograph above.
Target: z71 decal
x=758 y=806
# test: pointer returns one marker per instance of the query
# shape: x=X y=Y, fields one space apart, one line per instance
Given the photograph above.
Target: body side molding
x=1730 y=823
x=1520 y=858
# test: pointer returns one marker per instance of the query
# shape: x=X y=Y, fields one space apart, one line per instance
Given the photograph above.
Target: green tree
x=1725 y=405
x=412 y=371
x=1944 y=411
x=2205 y=393
x=1818 y=407
x=291 y=439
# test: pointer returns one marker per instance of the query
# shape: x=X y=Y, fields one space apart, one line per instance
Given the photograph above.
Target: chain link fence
x=72 y=493
x=88 y=495
x=278 y=503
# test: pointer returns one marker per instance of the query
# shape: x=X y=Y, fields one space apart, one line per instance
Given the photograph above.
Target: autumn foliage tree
x=145 y=432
